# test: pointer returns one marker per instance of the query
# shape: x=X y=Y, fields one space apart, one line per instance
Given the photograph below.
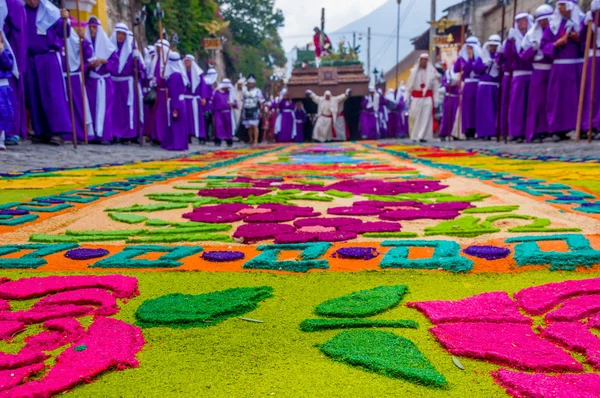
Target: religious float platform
x=349 y=270
x=335 y=76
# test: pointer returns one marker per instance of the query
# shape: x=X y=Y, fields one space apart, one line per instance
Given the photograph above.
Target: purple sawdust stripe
x=222 y=256
x=356 y=253
x=487 y=252
x=11 y=212
x=86 y=254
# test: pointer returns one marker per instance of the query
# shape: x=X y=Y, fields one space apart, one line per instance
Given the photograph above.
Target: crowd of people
x=175 y=101
x=527 y=88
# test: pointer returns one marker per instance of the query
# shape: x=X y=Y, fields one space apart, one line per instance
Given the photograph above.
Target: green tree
x=252 y=21
x=250 y=61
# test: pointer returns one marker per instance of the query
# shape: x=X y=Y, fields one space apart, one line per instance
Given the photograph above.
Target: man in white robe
x=330 y=124
x=423 y=96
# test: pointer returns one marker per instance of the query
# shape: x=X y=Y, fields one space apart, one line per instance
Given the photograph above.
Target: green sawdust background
x=242 y=359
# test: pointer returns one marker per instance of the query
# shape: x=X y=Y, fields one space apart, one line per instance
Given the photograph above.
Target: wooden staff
x=69 y=88
x=136 y=93
x=510 y=65
x=499 y=107
x=460 y=87
x=82 y=71
x=586 y=59
x=593 y=85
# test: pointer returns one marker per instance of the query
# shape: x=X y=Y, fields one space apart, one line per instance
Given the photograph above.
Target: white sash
x=88 y=113
x=196 y=111
x=130 y=92
x=100 y=101
x=58 y=57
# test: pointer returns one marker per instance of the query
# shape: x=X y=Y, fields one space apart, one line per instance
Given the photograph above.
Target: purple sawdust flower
x=222 y=256
x=355 y=253
x=251 y=233
x=85 y=254
x=227 y=193
x=267 y=213
x=13 y=212
x=487 y=252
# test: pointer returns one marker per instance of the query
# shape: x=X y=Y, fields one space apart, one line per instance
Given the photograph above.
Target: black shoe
x=189 y=139
x=229 y=143
x=56 y=141
x=422 y=140
x=105 y=143
x=40 y=139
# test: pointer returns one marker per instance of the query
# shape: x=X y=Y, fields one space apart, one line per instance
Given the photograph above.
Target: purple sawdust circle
x=356 y=253
x=487 y=252
x=85 y=254
x=11 y=212
x=223 y=256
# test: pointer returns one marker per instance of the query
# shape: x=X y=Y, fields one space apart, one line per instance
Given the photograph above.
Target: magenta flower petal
x=296 y=237
x=355 y=211
x=339 y=236
x=419 y=215
x=372 y=227
x=226 y=193
x=520 y=384
x=326 y=222
x=251 y=233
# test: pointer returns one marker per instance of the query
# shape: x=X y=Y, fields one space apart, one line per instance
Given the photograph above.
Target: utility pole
x=322 y=38
x=353 y=40
x=398 y=44
x=369 y=52
x=432 y=33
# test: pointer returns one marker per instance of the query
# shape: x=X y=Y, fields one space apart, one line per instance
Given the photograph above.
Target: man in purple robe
x=450 y=107
x=286 y=128
x=45 y=89
x=488 y=71
x=536 y=126
x=588 y=23
x=14 y=18
x=467 y=56
x=99 y=83
x=402 y=119
x=560 y=42
x=176 y=137
x=158 y=121
x=128 y=115
x=520 y=73
x=195 y=99
x=369 y=116
x=223 y=119
x=81 y=109
x=392 y=112
x=301 y=118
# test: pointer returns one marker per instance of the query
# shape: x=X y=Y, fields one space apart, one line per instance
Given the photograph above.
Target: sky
x=301 y=16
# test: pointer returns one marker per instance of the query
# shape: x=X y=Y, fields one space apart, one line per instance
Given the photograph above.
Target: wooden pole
x=586 y=59
x=593 y=85
x=82 y=71
x=511 y=60
x=398 y=45
x=369 y=52
x=136 y=93
x=460 y=87
x=67 y=67
x=499 y=107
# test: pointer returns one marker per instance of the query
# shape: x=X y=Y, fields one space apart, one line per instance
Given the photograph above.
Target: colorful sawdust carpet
x=327 y=270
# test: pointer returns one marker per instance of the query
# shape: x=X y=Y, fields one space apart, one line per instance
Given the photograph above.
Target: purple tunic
x=564 y=81
x=286 y=113
x=195 y=119
x=487 y=98
x=519 y=89
x=222 y=116
x=450 y=107
x=126 y=109
x=469 y=94
x=77 y=94
x=176 y=138
x=14 y=29
x=585 y=124
x=300 y=120
x=159 y=116
x=368 y=121
x=7 y=108
x=45 y=89
x=537 y=119
x=103 y=131
x=383 y=126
